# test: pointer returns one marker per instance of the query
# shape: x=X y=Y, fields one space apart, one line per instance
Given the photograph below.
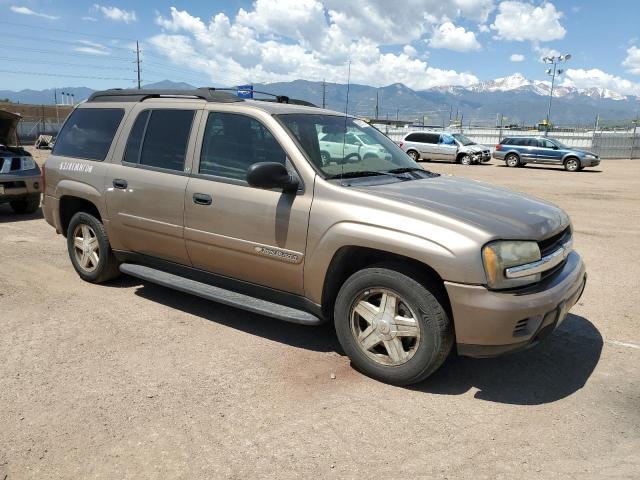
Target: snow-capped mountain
x=519 y=82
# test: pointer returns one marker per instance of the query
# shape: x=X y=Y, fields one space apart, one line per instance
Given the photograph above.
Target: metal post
x=553 y=81
x=633 y=139
x=500 y=134
x=324 y=93
x=376 y=103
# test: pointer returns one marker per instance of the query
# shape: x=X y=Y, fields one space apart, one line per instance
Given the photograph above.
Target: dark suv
x=518 y=151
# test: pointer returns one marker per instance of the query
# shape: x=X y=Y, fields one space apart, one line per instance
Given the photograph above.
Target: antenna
x=324 y=93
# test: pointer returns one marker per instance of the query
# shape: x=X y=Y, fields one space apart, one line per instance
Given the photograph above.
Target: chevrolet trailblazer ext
x=231 y=200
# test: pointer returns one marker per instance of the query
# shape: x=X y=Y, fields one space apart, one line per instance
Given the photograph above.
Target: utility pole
x=138 y=63
x=55 y=100
x=500 y=135
x=397 y=114
x=324 y=93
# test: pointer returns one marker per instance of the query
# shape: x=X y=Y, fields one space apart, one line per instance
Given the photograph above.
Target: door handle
x=202 y=199
x=119 y=183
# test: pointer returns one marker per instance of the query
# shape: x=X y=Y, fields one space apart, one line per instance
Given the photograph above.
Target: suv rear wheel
x=392 y=327
x=30 y=205
x=414 y=155
x=512 y=160
x=89 y=249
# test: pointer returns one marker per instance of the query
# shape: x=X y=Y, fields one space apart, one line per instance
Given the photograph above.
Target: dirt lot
x=132 y=380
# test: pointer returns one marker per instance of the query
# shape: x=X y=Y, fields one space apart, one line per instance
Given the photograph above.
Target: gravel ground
x=132 y=380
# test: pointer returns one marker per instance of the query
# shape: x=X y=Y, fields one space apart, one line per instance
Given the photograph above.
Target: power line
x=46 y=74
x=77 y=43
x=57 y=52
x=38 y=27
x=65 y=64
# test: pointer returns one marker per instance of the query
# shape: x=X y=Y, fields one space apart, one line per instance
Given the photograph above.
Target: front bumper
x=489 y=323
x=590 y=162
x=19 y=186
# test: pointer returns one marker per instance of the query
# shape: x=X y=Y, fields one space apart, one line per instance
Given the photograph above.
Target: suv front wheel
x=89 y=249
x=392 y=327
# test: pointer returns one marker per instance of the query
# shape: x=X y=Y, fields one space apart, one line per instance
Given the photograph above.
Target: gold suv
x=233 y=200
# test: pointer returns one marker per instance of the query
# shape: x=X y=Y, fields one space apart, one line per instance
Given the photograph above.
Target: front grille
x=553 y=243
x=8 y=185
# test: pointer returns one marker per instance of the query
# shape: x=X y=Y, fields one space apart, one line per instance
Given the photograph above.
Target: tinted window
x=232 y=143
x=88 y=133
x=132 y=152
x=546 y=143
x=430 y=137
x=166 y=138
x=413 y=137
x=507 y=141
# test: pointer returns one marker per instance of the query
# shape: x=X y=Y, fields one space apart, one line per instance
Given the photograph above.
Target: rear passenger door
x=145 y=190
x=429 y=146
x=527 y=148
x=236 y=230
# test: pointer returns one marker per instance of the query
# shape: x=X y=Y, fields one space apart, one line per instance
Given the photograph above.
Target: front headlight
x=500 y=255
x=28 y=163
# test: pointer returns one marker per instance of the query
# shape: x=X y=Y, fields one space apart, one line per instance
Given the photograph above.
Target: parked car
x=20 y=183
x=452 y=147
x=352 y=146
x=230 y=200
x=518 y=151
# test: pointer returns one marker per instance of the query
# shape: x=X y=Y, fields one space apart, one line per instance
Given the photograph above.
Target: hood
x=498 y=211
x=9 y=128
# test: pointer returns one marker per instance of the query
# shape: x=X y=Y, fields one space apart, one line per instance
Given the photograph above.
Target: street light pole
x=553 y=72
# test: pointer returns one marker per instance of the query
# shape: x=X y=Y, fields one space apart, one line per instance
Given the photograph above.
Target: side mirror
x=555 y=147
x=269 y=175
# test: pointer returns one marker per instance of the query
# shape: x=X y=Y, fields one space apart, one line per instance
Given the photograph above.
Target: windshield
x=463 y=140
x=558 y=143
x=335 y=154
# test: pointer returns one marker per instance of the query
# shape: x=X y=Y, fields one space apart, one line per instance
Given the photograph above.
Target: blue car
x=518 y=151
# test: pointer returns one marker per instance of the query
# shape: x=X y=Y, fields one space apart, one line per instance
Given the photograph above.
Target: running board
x=220 y=295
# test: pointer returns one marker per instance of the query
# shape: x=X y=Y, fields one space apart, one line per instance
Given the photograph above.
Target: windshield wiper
x=412 y=169
x=360 y=173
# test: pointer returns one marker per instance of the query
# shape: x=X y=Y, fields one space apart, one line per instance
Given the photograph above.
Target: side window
x=431 y=138
x=232 y=143
x=166 y=138
x=88 y=133
x=412 y=137
x=547 y=144
x=447 y=139
x=132 y=152
x=506 y=141
x=519 y=142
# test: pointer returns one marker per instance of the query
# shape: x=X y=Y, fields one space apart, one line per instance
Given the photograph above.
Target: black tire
x=465 y=159
x=27 y=206
x=512 y=160
x=572 y=164
x=414 y=155
x=436 y=331
x=107 y=266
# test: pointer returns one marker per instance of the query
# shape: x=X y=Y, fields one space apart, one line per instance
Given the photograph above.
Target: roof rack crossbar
x=135 y=95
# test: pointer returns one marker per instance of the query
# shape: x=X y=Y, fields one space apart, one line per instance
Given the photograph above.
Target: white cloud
x=116 y=14
x=542 y=52
x=93 y=48
x=517 y=57
x=581 y=78
x=28 y=11
x=89 y=19
x=264 y=48
x=409 y=51
x=455 y=38
x=632 y=62
x=522 y=21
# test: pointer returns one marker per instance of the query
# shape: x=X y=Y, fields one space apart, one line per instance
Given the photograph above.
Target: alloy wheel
x=384 y=327
x=86 y=247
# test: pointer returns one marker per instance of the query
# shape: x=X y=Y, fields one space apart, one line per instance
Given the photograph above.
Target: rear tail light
x=401 y=144
x=42 y=177
x=499 y=146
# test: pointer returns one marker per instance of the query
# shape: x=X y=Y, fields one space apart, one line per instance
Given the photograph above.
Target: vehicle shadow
x=558 y=168
x=7 y=215
x=550 y=371
x=318 y=339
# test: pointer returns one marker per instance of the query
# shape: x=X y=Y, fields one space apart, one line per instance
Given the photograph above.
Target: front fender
x=343 y=234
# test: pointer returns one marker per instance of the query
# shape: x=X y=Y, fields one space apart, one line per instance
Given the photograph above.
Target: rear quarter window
x=412 y=137
x=88 y=133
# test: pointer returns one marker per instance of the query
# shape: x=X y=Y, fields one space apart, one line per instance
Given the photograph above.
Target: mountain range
x=517 y=98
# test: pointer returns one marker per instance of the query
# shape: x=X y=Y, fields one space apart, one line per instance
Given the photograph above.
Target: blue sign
x=245 y=91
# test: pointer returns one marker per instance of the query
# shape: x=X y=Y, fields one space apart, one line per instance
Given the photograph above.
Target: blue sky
x=422 y=43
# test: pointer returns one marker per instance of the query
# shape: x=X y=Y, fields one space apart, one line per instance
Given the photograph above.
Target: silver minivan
x=451 y=147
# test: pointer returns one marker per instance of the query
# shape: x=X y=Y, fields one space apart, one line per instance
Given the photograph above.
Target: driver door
x=233 y=229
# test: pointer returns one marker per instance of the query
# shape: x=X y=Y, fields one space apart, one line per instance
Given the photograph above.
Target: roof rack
x=135 y=95
x=210 y=94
